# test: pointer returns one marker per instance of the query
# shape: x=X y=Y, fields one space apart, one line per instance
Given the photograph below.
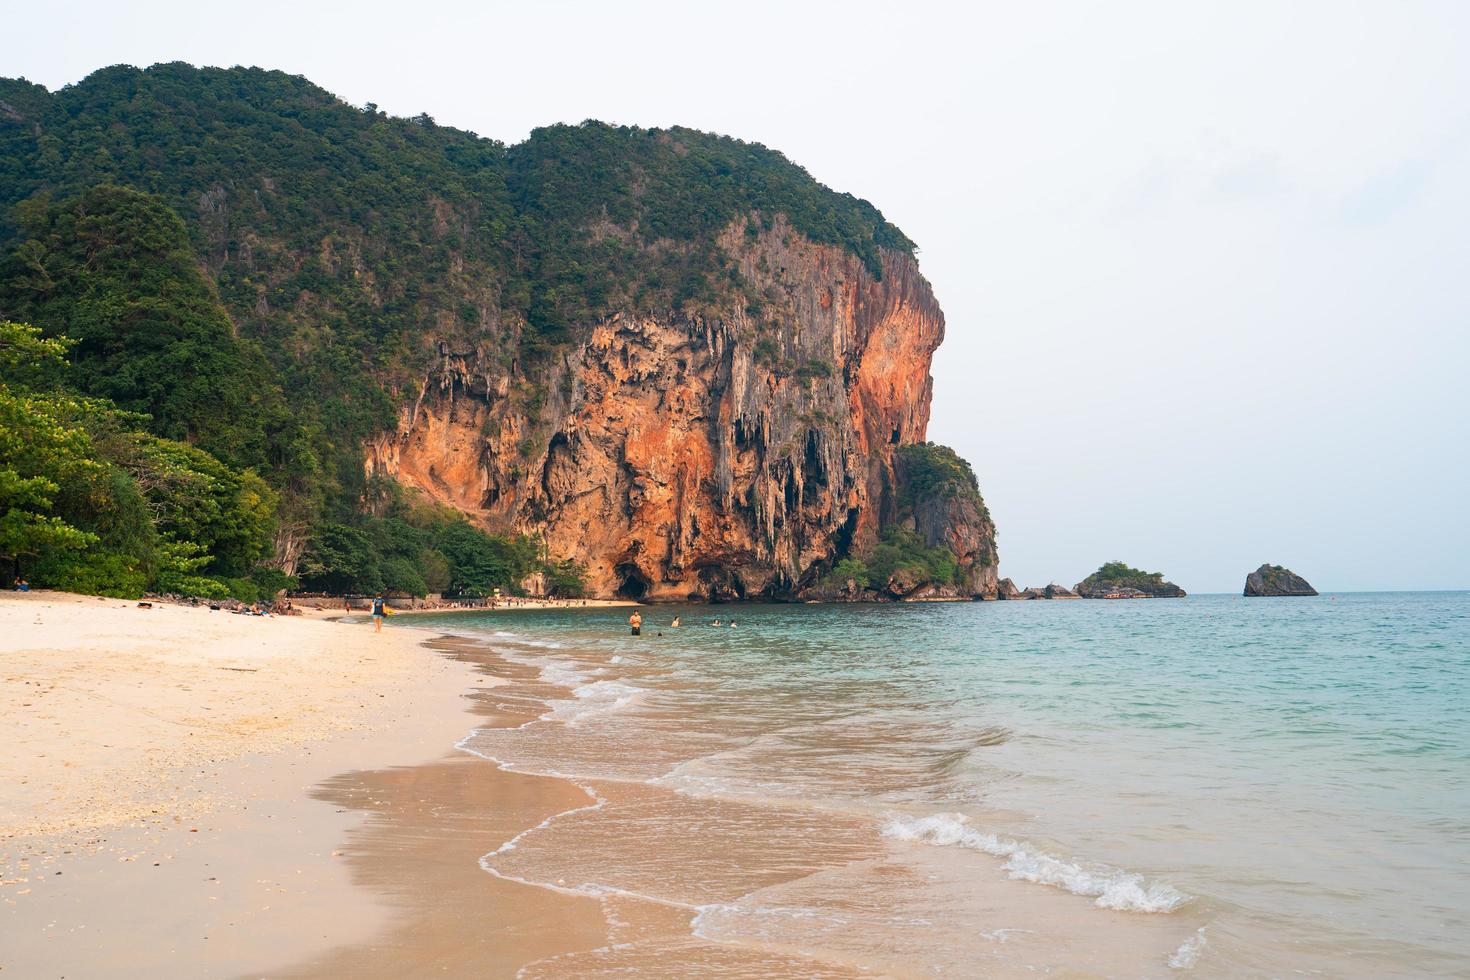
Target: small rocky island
x=1270 y=580
x=1115 y=580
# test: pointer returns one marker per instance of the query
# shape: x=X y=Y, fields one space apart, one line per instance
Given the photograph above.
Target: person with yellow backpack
x=380 y=609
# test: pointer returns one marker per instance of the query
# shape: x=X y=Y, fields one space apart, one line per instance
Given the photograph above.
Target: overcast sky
x=1206 y=266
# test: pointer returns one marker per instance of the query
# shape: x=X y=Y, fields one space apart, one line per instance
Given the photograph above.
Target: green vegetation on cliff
x=1121 y=573
x=928 y=474
x=1115 y=575
x=258 y=272
x=930 y=470
x=112 y=269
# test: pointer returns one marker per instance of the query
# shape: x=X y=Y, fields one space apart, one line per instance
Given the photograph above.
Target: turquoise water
x=1279 y=784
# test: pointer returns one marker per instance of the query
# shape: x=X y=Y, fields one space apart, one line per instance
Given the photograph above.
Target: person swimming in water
x=675 y=623
x=636 y=622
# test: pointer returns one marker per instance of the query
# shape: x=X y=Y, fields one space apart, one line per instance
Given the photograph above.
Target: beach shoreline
x=322 y=609
x=546 y=796
x=159 y=815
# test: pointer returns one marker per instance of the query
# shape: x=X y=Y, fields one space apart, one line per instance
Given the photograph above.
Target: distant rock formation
x=1271 y=580
x=1006 y=589
x=1115 y=580
x=1052 y=591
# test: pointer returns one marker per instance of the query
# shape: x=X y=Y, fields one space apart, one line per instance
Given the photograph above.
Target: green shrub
x=95 y=573
x=899 y=548
x=848 y=569
x=243 y=589
x=269 y=581
x=813 y=369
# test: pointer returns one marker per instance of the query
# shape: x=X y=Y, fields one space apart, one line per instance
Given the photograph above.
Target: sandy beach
x=201 y=794
x=157 y=815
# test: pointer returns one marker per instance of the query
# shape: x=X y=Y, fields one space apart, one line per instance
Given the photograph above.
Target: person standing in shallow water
x=636 y=622
x=380 y=609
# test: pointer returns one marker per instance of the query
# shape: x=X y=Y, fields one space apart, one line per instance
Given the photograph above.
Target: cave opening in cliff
x=842 y=540
x=720 y=584
x=813 y=468
x=632 y=583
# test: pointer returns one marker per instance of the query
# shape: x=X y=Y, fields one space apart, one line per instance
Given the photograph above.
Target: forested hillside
x=249 y=276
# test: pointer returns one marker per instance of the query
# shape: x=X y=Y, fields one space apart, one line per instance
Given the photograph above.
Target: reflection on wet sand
x=551 y=847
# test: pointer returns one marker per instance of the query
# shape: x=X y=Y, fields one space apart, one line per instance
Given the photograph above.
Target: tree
x=480 y=563
x=565 y=579
x=113 y=269
x=39 y=449
x=340 y=559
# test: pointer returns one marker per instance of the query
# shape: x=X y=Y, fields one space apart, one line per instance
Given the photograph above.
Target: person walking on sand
x=636 y=621
x=380 y=609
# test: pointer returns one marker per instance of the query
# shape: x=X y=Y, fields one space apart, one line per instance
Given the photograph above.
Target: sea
x=1213 y=785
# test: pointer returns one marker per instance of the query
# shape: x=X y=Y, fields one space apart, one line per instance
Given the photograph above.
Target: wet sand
x=495 y=872
x=418 y=853
x=424 y=849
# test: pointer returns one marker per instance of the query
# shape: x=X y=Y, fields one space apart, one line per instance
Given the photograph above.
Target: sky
x=1203 y=265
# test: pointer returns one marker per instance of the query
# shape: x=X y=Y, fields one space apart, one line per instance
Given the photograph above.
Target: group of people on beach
x=279 y=607
x=20 y=585
x=635 y=622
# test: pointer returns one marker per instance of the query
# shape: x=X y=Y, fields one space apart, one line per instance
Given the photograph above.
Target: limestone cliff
x=722 y=456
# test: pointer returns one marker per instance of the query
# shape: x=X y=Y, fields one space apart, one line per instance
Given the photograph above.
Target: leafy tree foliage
x=40 y=449
x=566 y=579
x=98 y=507
x=480 y=563
x=418 y=548
x=113 y=269
x=340 y=559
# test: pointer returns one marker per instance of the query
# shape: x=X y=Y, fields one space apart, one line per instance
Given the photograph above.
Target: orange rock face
x=679 y=456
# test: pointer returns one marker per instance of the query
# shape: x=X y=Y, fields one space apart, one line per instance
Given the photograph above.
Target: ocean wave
x=594 y=698
x=1118 y=890
x=550 y=670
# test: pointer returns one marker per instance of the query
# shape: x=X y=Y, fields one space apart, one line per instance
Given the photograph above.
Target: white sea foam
x=548 y=669
x=1112 y=889
x=593 y=698
x=1187 y=955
